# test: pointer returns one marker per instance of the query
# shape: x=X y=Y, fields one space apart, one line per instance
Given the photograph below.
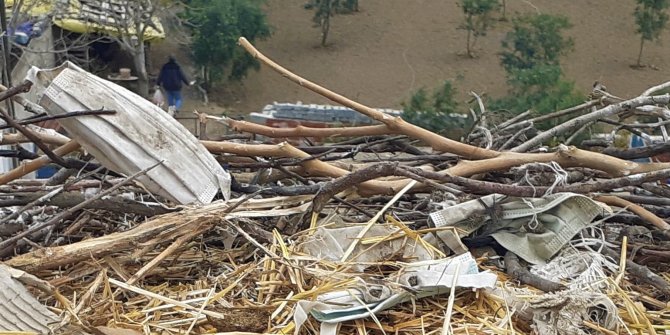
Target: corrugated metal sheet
x=19 y=310
x=138 y=136
x=85 y=16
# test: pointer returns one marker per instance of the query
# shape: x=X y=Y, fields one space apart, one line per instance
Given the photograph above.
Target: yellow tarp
x=33 y=7
x=42 y=7
x=79 y=26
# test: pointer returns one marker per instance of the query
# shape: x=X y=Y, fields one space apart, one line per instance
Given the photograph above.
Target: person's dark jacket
x=171 y=77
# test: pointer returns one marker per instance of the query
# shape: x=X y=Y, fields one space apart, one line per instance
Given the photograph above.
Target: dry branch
x=639 y=210
x=160 y=227
x=69 y=199
x=23 y=87
x=641 y=152
x=303 y=131
x=591 y=117
x=521 y=273
x=395 y=124
x=28 y=167
x=31 y=136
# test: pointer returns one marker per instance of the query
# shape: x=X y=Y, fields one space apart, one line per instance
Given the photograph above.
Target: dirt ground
x=391 y=48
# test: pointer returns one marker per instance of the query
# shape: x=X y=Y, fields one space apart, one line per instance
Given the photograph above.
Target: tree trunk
x=139 y=58
x=504 y=10
x=325 y=27
x=639 y=55
x=325 y=22
x=467 y=41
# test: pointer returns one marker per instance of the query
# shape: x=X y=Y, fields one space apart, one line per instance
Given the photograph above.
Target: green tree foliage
x=531 y=57
x=478 y=19
x=651 y=18
x=541 y=88
x=325 y=9
x=437 y=112
x=217 y=26
x=536 y=39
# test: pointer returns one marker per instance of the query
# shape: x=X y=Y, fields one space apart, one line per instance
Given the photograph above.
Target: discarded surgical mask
x=19 y=310
x=533 y=228
x=138 y=136
x=417 y=279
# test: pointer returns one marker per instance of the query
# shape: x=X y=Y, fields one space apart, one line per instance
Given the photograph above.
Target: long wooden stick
x=35 y=164
x=437 y=142
x=637 y=209
x=46 y=138
x=302 y=131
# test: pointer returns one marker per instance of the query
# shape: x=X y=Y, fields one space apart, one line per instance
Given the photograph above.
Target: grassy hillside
x=389 y=49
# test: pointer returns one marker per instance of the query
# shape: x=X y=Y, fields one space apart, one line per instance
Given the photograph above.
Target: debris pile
x=389 y=229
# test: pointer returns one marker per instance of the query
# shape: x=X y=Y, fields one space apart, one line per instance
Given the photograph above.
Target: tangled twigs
x=591 y=117
x=45 y=197
x=328 y=190
x=35 y=139
x=68 y=199
x=67 y=213
x=485 y=187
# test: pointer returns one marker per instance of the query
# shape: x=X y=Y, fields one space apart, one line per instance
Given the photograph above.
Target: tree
x=325 y=9
x=217 y=26
x=477 y=20
x=541 y=88
x=438 y=112
x=651 y=18
x=531 y=57
x=131 y=21
x=535 y=39
x=503 y=10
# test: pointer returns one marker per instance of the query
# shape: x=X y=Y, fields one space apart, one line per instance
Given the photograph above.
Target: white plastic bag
x=158 y=99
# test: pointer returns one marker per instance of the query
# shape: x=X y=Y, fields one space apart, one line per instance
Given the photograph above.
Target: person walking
x=171 y=78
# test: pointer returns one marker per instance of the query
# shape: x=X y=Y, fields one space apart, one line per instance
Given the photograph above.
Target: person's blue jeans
x=174 y=99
